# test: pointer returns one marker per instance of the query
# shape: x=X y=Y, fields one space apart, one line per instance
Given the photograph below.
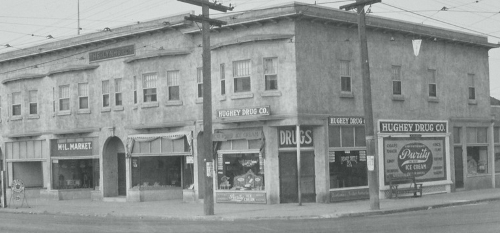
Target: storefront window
x=477 y=160
x=497 y=159
x=30 y=173
x=157 y=172
x=348 y=169
x=75 y=173
x=242 y=171
x=347 y=136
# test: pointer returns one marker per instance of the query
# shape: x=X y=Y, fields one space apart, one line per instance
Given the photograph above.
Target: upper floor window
x=149 y=87
x=135 y=90
x=33 y=102
x=241 y=74
x=105 y=93
x=432 y=83
x=396 y=80
x=118 y=92
x=64 y=98
x=472 y=88
x=223 y=79
x=345 y=76
x=199 y=81
x=16 y=104
x=271 y=73
x=173 y=85
x=0 y=107
x=83 y=95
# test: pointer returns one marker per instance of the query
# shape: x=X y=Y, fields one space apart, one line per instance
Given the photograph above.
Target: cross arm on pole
x=211 y=5
x=201 y=19
x=357 y=4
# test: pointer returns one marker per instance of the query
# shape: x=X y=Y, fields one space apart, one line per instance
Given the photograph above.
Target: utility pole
x=78 y=25
x=208 y=202
x=373 y=185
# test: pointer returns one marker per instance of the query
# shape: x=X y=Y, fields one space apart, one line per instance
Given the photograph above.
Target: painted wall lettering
x=287 y=137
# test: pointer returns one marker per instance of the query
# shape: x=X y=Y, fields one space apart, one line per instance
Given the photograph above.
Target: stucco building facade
x=118 y=114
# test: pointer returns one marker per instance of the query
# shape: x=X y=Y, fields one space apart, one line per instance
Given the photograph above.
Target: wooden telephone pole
x=208 y=203
x=373 y=185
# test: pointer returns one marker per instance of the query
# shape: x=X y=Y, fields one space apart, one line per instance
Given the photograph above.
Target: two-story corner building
x=118 y=114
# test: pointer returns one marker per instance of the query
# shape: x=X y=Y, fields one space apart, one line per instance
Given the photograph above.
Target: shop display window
x=346 y=136
x=30 y=173
x=242 y=171
x=477 y=160
x=159 y=172
x=75 y=173
x=348 y=169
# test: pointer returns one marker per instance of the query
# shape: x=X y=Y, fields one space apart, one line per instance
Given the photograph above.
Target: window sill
x=199 y=100
x=346 y=95
x=83 y=111
x=222 y=98
x=433 y=99
x=242 y=96
x=150 y=105
x=398 y=97
x=63 y=113
x=273 y=93
x=118 y=108
x=16 y=118
x=472 y=102
x=173 y=103
x=34 y=116
x=106 y=109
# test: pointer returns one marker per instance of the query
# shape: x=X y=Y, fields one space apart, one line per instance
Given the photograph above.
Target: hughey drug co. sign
x=422 y=157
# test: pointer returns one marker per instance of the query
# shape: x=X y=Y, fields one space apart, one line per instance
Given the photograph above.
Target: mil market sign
x=111 y=53
x=71 y=148
x=413 y=127
x=239 y=112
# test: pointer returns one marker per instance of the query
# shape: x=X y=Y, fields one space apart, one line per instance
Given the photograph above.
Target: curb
x=222 y=218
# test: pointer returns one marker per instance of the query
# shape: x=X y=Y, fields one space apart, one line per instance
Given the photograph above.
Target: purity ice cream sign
x=423 y=157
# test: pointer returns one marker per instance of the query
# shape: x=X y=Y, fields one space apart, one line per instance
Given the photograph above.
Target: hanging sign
x=287 y=137
x=210 y=168
x=111 y=53
x=370 y=162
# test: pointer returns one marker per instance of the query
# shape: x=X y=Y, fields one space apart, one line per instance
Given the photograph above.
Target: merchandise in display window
x=160 y=172
x=477 y=160
x=348 y=169
x=243 y=171
x=75 y=173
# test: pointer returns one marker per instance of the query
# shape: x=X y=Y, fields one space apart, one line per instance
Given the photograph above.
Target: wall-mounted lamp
x=392 y=38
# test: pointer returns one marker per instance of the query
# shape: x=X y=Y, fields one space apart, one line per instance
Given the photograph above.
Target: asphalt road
x=482 y=217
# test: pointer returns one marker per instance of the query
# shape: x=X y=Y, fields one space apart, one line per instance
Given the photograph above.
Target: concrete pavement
x=230 y=212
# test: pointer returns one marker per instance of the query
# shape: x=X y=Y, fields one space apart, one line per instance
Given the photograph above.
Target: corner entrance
x=114 y=168
x=288 y=177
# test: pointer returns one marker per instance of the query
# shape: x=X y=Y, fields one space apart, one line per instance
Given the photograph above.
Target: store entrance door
x=459 y=168
x=288 y=177
x=122 y=181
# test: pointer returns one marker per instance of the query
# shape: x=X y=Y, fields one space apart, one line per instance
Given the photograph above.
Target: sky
x=25 y=23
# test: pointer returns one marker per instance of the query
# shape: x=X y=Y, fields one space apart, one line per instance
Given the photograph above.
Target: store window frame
x=476 y=139
x=229 y=152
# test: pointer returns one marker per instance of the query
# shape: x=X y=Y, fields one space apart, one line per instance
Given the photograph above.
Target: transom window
x=432 y=83
x=83 y=95
x=105 y=93
x=64 y=98
x=16 y=104
x=149 y=87
x=33 y=102
x=199 y=81
x=345 y=76
x=173 y=85
x=118 y=92
x=396 y=80
x=271 y=73
x=241 y=74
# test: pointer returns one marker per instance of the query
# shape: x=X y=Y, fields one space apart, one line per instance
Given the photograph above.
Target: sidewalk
x=230 y=212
